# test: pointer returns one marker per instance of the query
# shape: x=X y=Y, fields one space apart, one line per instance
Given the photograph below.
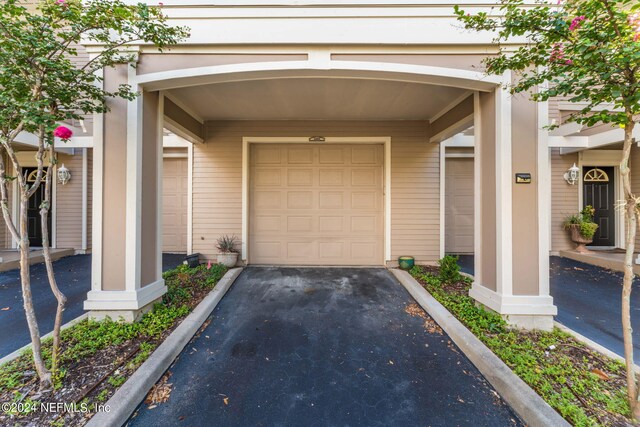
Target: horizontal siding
x=69 y=204
x=564 y=199
x=217 y=180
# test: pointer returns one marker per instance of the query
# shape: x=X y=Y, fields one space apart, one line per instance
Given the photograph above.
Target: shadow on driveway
x=323 y=347
x=73 y=274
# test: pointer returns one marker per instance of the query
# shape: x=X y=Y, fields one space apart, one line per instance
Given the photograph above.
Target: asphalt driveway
x=589 y=301
x=323 y=347
x=74 y=279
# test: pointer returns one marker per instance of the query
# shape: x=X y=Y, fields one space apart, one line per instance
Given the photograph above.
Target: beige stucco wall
x=564 y=199
x=217 y=180
x=486 y=151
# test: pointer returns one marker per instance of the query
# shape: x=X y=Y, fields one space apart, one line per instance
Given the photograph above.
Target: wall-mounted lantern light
x=63 y=175
x=572 y=175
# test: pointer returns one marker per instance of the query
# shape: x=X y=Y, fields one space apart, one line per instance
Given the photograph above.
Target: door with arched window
x=599 y=192
x=34 y=221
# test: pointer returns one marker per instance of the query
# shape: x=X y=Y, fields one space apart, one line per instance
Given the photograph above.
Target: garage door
x=316 y=204
x=459 y=206
x=174 y=205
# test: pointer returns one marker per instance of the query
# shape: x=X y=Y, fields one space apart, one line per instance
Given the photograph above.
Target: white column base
x=522 y=311
x=129 y=305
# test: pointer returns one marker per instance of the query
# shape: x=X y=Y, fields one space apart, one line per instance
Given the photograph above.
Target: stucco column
x=511 y=241
x=127 y=258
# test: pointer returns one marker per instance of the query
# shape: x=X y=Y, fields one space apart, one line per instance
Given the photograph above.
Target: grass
x=559 y=368
x=103 y=342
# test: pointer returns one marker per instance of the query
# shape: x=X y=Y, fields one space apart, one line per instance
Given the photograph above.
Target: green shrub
x=449 y=269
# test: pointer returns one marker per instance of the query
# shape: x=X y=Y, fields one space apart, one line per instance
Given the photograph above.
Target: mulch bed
x=86 y=382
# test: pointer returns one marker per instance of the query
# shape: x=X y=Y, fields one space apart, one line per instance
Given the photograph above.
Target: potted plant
x=228 y=254
x=582 y=228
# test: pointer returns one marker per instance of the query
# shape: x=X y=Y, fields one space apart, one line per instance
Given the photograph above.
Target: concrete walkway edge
x=11 y=356
x=529 y=406
x=127 y=398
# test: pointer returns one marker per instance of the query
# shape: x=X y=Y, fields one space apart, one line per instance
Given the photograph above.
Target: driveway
x=318 y=347
x=74 y=279
x=589 y=301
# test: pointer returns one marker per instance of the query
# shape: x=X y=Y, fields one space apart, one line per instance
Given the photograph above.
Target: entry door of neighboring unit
x=34 y=222
x=174 y=205
x=599 y=192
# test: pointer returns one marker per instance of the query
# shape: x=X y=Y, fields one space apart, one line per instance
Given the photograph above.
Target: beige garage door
x=459 y=206
x=174 y=205
x=316 y=204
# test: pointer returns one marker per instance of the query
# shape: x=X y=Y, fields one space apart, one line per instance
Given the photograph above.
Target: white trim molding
x=247 y=141
x=441 y=76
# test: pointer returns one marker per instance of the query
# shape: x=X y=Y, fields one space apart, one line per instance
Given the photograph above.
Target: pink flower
x=63 y=133
x=634 y=22
x=557 y=52
x=577 y=21
x=209 y=265
x=568 y=62
x=160 y=4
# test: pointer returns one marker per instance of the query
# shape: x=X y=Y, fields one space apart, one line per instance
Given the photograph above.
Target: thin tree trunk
x=25 y=278
x=630 y=210
x=46 y=251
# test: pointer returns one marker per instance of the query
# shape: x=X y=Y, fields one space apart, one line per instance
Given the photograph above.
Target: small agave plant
x=227 y=244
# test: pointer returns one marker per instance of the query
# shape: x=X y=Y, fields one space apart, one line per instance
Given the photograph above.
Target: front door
x=599 y=192
x=34 y=221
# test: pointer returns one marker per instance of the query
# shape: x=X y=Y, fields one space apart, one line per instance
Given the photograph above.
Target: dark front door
x=599 y=192
x=34 y=221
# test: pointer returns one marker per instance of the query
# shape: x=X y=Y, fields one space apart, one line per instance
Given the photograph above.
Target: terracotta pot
x=229 y=259
x=579 y=239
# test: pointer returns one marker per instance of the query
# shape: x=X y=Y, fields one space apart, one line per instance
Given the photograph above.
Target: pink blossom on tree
x=576 y=22
x=63 y=133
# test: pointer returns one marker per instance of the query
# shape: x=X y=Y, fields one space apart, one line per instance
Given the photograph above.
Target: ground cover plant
x=97 y=357
x=585 y=387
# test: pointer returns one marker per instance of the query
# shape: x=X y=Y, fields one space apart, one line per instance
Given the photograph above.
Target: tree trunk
x=25 y=278
x=46 y=251
x=630 y=213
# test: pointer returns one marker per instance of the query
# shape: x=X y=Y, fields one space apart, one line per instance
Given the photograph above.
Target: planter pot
x=229 y=259
x=192 y=260
x=579 y=239
x=406 y=262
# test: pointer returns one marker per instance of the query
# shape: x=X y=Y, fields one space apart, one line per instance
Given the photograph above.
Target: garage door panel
x=332 y=155
x=330 y=200
x=266 y=155
x=368 y=200
x=331 y=224
x=268 y=177
x=331 y=177
x=300 y=199
x=300 y=224
x=266 y=199
x=316 y=215
x=365 y=155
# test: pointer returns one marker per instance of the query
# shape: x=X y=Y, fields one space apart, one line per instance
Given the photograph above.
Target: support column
x=511 y=219
x=127 y=257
